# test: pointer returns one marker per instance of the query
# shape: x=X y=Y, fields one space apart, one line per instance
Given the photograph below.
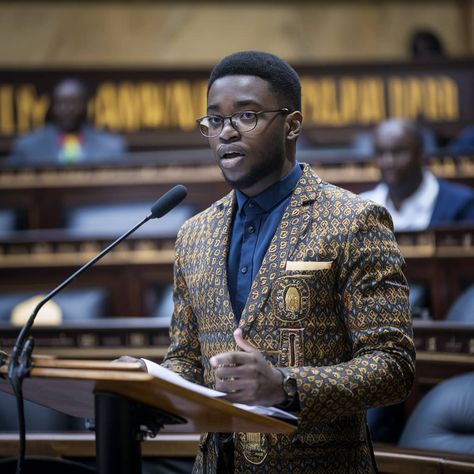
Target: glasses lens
x=245 y=121
x=203 y=128
x=211 y=125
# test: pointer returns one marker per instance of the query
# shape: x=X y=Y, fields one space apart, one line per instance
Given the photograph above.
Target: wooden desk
x=102 y=339
x=390 y=459
x=442 y=260
x=434 y=340
x=82 y=444
x=44 y=194
x=393 y=460
x=132 y=274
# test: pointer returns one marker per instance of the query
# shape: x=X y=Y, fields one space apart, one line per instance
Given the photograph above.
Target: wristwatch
x=289 y=386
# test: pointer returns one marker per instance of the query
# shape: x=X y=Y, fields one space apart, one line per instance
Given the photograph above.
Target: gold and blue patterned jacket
x=330 y=301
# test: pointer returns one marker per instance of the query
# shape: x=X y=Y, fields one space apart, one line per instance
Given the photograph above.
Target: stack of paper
x=165 y=374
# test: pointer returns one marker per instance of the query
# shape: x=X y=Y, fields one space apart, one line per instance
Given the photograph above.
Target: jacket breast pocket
x=298 y=294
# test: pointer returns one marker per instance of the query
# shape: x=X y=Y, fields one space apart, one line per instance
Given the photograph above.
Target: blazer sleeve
x=373 y=303
x=184 y=353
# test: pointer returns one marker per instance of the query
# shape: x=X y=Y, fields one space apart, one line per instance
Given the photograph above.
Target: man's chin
x=390 y=180
x=246 y=181
x=237 y=182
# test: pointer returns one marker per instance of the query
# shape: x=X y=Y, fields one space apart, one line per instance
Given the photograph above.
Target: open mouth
x=229 y=160
x=230 y=155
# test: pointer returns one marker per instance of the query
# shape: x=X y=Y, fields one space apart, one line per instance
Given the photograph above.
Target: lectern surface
x=69 y=386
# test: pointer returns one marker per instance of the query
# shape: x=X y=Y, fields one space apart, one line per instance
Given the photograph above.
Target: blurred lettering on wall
x=337 y=96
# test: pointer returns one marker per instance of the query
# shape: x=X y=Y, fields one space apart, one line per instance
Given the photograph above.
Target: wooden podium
x=123 y=400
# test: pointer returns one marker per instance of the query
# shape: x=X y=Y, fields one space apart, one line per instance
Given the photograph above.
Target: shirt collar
x=271 y=196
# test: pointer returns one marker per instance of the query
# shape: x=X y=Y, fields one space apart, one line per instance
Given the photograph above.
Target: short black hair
x=426 y=43
x=282 y=77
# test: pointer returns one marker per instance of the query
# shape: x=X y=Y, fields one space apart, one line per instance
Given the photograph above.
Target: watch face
x=289 y=386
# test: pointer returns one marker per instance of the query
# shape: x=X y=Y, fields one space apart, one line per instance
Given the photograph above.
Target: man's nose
x=386 y=158
x=228 y=131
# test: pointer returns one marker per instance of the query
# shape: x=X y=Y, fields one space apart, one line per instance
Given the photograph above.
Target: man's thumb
x=242 y=343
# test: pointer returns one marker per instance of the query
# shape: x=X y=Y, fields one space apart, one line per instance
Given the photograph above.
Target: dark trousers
x=225 y=458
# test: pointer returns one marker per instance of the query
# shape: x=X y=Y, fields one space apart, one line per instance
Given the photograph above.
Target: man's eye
x=246 y=116
x=214 y=121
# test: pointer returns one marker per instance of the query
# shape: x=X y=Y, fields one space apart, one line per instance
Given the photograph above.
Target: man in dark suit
x=68 y=138
x=415 y=198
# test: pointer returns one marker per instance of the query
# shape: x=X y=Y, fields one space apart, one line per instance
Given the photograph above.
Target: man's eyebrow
x=239 y=104
x=246 y=103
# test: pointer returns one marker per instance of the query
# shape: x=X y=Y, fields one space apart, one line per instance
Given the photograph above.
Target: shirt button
x=244 y=269
x=251 y=229
x=251 y=204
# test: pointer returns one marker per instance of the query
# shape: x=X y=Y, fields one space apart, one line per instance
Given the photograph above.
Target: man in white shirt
x=415 y=198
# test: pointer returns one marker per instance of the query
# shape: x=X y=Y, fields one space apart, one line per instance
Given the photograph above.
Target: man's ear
x=294 y=122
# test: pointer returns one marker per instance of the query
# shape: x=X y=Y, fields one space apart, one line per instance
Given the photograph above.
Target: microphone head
x=168 y=201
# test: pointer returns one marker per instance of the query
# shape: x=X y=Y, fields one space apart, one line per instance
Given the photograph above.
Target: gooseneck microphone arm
x=20 y=363
x=20 y=345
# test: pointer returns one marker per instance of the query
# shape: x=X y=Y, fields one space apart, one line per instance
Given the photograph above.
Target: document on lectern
x=165 y=374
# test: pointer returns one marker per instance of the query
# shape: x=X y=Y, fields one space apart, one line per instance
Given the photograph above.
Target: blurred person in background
x=415 y=198
x=68 y=138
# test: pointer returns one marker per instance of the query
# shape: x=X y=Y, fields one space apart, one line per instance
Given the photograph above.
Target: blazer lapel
x=218 y=244
x=290 y=231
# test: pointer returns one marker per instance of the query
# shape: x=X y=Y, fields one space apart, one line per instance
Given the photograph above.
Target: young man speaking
x=288 y=291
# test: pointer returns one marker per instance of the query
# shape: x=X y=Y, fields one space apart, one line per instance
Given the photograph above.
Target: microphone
x=168 y=201
x=19 y=364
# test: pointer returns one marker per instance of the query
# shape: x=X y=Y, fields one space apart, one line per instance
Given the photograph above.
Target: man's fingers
x=230 y=359
x=232 y=385
x=237 y=371
x=242 y=343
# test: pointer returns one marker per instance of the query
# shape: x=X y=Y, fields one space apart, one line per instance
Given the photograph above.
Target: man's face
x=397 y=154
x=69 y=106
x=250 y=161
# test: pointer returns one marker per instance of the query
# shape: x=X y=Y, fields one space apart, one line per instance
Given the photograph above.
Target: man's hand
x=246 y=377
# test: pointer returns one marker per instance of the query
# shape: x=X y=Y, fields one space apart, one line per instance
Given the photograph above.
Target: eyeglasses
x=212 y=125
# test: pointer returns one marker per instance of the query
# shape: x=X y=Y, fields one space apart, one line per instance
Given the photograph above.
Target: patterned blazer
x=330 y=301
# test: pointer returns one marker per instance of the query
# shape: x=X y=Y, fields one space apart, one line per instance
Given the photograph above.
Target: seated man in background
x=69 y=138
x=415 y=198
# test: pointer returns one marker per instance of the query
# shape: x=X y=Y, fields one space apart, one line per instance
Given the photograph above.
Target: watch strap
x=289 y=386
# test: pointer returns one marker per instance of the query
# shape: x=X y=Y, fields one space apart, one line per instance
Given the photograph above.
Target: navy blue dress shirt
x=255 y=222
